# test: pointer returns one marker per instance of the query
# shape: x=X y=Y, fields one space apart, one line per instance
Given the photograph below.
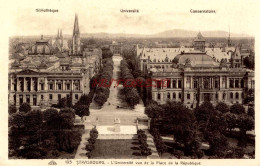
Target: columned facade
x=43 y=89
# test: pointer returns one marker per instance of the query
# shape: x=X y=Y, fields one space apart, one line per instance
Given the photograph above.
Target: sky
x=154 y=16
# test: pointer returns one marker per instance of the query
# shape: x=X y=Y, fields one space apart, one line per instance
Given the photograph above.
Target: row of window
x=189 y=96
x=76 y=96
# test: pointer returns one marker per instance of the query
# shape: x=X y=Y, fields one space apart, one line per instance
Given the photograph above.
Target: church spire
x=76 y=25
x=76 y=38
x=229 y=41
x=60 y=33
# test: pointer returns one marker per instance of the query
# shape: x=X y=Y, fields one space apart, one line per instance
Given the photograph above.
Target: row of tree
x=91 y=141
x=205 y=123
x=131 y=93
x=42 y=134
x=103 y=82
x=142 y=139
x=143 y=87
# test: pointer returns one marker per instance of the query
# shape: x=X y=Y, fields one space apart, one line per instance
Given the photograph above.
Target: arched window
x=231 y=95
x=237 y=95
x=174 y=95
x=159 y=96
x=168 y=95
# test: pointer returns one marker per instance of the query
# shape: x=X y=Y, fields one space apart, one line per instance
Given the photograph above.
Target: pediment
x=28 y=72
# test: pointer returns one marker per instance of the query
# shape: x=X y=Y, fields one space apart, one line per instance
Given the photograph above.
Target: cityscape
x=112 y=96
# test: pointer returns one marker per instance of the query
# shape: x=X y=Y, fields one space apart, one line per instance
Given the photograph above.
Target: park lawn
x=116 y=149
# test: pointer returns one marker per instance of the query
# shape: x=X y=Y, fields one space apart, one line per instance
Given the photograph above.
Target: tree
x=17 y=120
x=231 y=120
x=249 y=62
x=204 y=111
x=49 y=113
x=82 y=110
x=25 y=107
x=84 y=100
x=218 y=144
x=62 y=103
x=222 y=107
x=245 y=123
x=153 y=110
x=237 y=109
x=251 y=112
x=33 y=121
x=12 y=109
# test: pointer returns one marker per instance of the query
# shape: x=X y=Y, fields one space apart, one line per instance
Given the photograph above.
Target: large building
x=197 y=77
x=44 y=77
x=197 y=74
x=163 y=57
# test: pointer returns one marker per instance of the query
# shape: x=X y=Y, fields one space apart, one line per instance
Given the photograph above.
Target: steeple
x=229 y=41
x=61 y=33
x=76 y=38
x=58 y=34
x=76 y=25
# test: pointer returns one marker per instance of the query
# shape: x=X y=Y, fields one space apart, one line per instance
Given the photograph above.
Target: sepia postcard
x=141 y=82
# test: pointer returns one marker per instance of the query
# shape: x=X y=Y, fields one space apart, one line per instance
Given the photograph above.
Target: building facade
x=196 y=78
x=44 y=77
x=162 y=58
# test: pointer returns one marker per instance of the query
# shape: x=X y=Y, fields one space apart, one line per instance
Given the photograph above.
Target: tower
x=199 y=43
x=61 y=38
x=229 y=41
x=76 y=37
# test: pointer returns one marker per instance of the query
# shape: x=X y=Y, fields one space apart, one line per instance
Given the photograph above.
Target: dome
x=195 y=59
x=41 y=47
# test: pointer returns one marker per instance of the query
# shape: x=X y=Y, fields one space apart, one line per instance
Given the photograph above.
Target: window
x=231 y=83
x=224 y=96
x=174 y=84
x=50 y=96
x=42 y=86
x=231 y=95
x=27 y=98
x=20 y=99
x=168 y=95
x=68 y=86
x=42 y=97
x=195 y=84
x=242 y=83
x=179 y=84
x=188 y=96
x=216 y=83
x=159 y=83
x=76 y=86
x=159 y=96
x=179 y=95
x=236 y=83
x=59 y=96
x=216 y=96
x=51 y=87
x=76 y=96
x=34 y=100
x=59 y=86
x=174 y=95
x=68 y=96
x=237 y=95
x=168 y=83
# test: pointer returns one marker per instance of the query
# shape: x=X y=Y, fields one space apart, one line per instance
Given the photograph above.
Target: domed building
x=41 y=47
x=197 y=77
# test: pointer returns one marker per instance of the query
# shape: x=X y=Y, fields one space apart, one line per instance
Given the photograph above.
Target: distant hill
x=186 y=33
x=167 y=34
x=175 y=33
